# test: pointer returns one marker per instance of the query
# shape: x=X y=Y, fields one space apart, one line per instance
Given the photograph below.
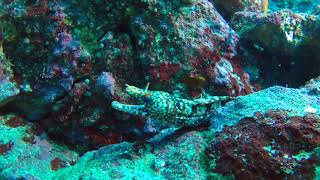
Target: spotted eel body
x=165 y=107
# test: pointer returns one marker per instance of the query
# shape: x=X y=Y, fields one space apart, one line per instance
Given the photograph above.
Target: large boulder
x=272 y=146
x=279 y=48
x=228 y=7
x=273 y=133
x=177 y=159
x=27 y=153
x=298 y=102
x=178 y=39
x=8 y=88
x=301 y=6
x=61 y=65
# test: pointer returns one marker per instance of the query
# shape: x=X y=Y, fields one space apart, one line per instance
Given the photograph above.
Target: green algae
x=172 y=160
x=25 y=159
x=302 y=155
x=317 y=176
x=182 y=158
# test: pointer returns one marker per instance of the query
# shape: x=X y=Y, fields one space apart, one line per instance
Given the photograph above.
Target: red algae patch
x=5 y=147
x=272 y=145
x=57 y=163
x=16 y=121
x=29 y=139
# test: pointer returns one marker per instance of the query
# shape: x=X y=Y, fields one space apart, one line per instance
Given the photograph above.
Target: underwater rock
x=281 y=47
x=63 y=63
x=180 y=158
x=183 y=162
x=105 y=84
x=300 y=6
x=117 y=53
x=228 y=7
x=83 y=116
x=174 y=40
x=295 y=101
x=29 y=153
x=53 y=65
x=46 y=56
x=313 y=86
x=290 y=28
x=8 y=88
x=112 y=152
x=272 y=146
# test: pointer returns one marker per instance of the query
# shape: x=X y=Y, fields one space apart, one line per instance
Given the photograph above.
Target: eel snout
x=139 y=110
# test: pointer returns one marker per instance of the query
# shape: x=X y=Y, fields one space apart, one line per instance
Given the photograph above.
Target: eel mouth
x=134 y=91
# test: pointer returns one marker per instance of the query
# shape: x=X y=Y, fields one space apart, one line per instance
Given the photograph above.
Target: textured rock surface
x=228 y=7
x=57 y=60
x=173 y=42
x=28 y=154
x=183 y=156
x=179 y=159
x=303 y=6
x=63 y=48
x=8 y=88
x=295 y=101
x=62 y=63
x=272 y=146
x=279 y=48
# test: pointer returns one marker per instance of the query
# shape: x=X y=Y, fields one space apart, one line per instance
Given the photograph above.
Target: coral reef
x=216 y=70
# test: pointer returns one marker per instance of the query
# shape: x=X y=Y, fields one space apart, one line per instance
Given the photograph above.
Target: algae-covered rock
x=263 y=134
x=174 y=40
x=62 y=63
x=8 y=88
x=27 y=153
x=7 y=91
x=280 y=48
x=281 y=30
x=272 y=146
x=297 y=102
x=228 y=7
x=177 y=159
x=301 y=6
